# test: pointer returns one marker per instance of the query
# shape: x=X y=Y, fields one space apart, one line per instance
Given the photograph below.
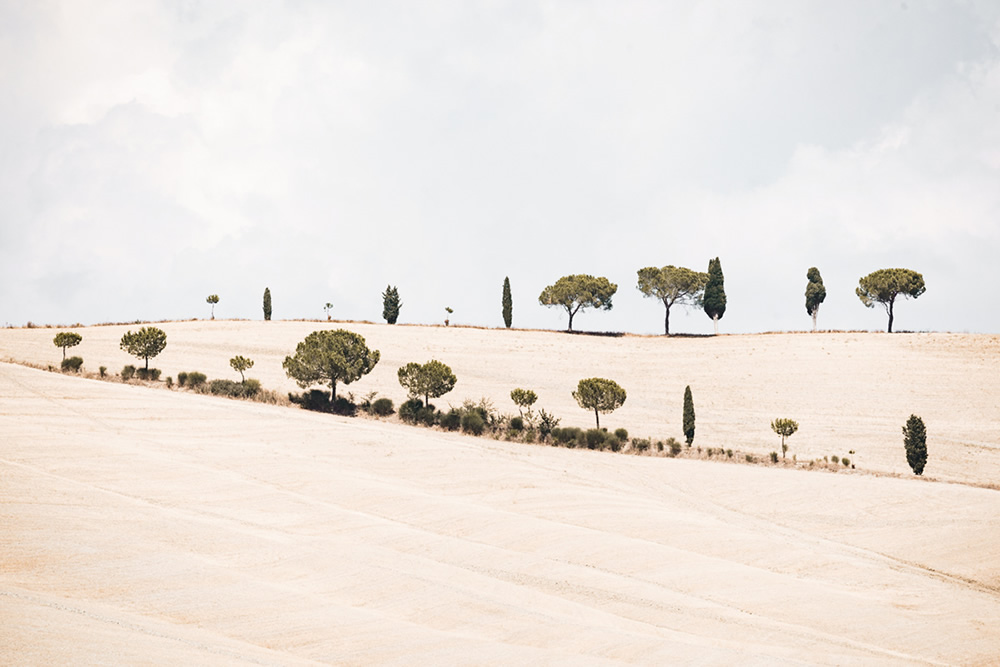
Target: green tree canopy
x=523 y=399
x=672 y=284
x=391 y=304
x=212 y=299
x=66 y=339
x=507 y=304
x=785 y=428
x=915 y=442
x=884 y=285
x=428 y=380
x=145 y=343
x=599 y=395
x=267 y=303
x=815 y=293
x=714 y=299
x=330 y=356
x=241 y=364
x=577 y=292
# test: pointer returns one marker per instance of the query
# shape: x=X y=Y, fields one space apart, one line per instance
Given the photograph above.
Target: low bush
x=774 y=457
x=595 y=438
x=103 y=370
x=247 y=389
x=383 y=407
x=750 y=458
x=529 y=436
x=613 y=443
x=472 y=422
x=451 y=420
x=72 y=364
x=621 y=434
x=182 y=379
x=410 y=410
x=835 y=459
x=729 y=453
x=343 y=406
x=170 y=382
x=316 y=400
x=675 y=447
x=569 y=436
x=128 y=372
x=196 y=379
x=846 y=461
x=148 y=374
x=427 y=415
x=516 y=424
x=641 y=444
x=546 y=423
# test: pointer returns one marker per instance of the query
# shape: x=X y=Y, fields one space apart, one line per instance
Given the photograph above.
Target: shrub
x=640 y=444
x=568 y=436
x=316 y=400
x=675 y=447
x=196 y=379
x=621 y=434
x=409 y=410
x=659 y=445
x=170 y=382
x=127 y=372
x=343 y=406
x=451 y=420
x=595 y=438
x=383 y=407
x=546 y=423
x=427 y=415
x=148 y=373
x=613 y=443
x=247 y=389
x=846 y=461
x=472 y=422
x=103 y=370
x=182 y=379
x=72 y=364
x=774 y=457
x=729 y=453
x=750 y=458
x=835 y=459
x=529 y=436
x=516 y=424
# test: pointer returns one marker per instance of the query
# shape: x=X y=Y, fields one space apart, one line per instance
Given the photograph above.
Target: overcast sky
x=153 y=153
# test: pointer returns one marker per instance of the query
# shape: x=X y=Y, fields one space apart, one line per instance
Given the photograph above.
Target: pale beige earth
x=147 y=526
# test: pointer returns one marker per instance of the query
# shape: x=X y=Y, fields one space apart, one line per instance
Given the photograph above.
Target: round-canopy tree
x=145 y=343
x=884 y=285
x=523 y=399
x=212 y=299
x=577 y=292
x=815 y=293
x=672 y=284
x=66 y=339
x=785 y=428
x=428 y=380
x=241 y=364
x=330 y=356
x=714 y=299
x=599 y=395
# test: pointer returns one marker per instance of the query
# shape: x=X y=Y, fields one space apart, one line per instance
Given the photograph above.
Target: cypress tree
x=815 y=293
x=688 y=415
x=390 y=304
x=715 y=292
x=508 y=305
x=267 y=303
x=915 y=442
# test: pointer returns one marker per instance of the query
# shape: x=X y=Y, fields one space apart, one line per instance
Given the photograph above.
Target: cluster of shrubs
x=593 y=438
x=130 y=371
x=72 y=364
x=318 y=400
x=192 y=380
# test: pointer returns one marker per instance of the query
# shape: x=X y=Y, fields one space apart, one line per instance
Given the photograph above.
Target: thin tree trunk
x=891 y=302
x=333 y=391
x=64 y=354
x=715 y=321
x=666 y=320
x=598 y=415
x=570 y=320
x=815 y=315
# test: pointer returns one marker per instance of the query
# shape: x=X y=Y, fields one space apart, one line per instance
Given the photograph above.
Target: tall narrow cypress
x=688 y=415
x=508 y=305
x=715 y=292
x=915 y=442
x=267 y=303
x=391 y=304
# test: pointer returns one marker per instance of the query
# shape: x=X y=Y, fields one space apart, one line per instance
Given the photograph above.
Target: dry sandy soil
x=144 y=526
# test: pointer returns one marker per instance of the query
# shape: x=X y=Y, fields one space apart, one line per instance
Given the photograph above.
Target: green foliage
x=182 y=378
x=452 y=420
x=599 y=395
x=212 y=299
x=785 y=428
x=915 y=443
x=66 y=339
x=675 y=447
x=729 y=453
x=845 y=461
x=508 y=304
x=72 y=364
x=246 y=389
x=127 y=372
x=523 y=399
x=571 y=436
x=241 y=364
x=835 y=459
x=429 y=380
x=103 y=370
x=473 y=422
x=750 y=459
x=884 y=285
x=267 y=303
x=641 y=444
x=578 y=291
x=193 y=379
x=621 y=434
x=815 y=293
x=409 y=410
x=145 y=343
x=546 y=423
x=170 y=382
x=774 y=457
x=714 y=298
x=391 y=304
x=516 y=424
x=688 y=420
x=330 y=356
x=383 y=407
x=672 y=285
x=595 y=438
x=151 y=374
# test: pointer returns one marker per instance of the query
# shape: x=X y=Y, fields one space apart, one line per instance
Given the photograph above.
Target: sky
x=153 y=153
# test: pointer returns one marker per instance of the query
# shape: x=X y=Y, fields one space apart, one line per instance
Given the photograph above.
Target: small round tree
x=212 y=299
x=429 y=380
x=330 y=356
x=688 y=415
x=785 y=428
x=915 y=442
x=145 y=343
x=241 y=364
x=523 y=399
x=599 y=395
x=66 y=339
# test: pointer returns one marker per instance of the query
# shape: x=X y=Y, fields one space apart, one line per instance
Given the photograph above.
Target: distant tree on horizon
x=884 y=285
x=599 y=395
x=267 y=304
x=714 y=299
x=328 y=307
x=66 y=339
x=145 y=343
x=391 y=304
x=212 y=299
x=508 y=304
x=672 y=285
x=815 y=293
x=577 y=292
x=330 y=356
